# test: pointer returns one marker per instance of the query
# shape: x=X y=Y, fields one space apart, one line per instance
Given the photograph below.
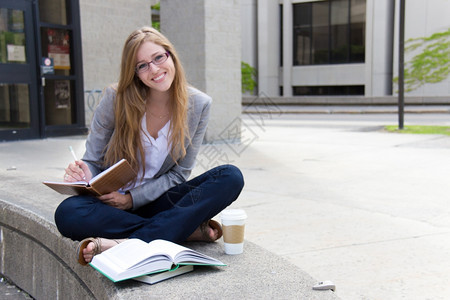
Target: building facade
x=57 y=56
x=51 y=53
x=337 y=47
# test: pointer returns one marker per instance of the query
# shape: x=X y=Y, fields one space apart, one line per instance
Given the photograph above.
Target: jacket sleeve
x=102 y=127
x=172 y=173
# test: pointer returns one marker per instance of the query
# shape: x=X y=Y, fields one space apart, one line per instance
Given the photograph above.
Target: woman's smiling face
x=158 y=78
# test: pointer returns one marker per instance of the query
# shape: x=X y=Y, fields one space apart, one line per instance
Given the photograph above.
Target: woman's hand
x=118 y=200
x=77 y=171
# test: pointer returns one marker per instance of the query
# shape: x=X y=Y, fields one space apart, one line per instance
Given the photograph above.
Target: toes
x=215 y=234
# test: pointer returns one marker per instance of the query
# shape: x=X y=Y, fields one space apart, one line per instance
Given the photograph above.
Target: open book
x=106 y=182
x=135 y=258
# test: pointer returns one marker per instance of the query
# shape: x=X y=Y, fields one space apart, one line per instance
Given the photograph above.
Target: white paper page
x=130 y=253
x=81 y=183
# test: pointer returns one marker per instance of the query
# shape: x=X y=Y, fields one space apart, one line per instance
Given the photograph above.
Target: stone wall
x=207 y=36
x=105 y=25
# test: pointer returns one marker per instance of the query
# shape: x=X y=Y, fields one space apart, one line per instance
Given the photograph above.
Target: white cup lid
x=233 y=214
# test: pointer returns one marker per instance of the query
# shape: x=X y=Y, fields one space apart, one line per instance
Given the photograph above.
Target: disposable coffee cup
x=233 y=225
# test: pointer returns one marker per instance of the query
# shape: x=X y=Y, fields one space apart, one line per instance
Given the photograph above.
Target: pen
x=73 y=153
x=74 y=156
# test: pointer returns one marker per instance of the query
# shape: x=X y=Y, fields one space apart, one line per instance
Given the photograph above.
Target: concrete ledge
x=342 y=100
x=276 y=110
x=38 y=260
x=41 y=262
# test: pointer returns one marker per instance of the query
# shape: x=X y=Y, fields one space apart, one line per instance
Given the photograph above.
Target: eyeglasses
x=158 y=60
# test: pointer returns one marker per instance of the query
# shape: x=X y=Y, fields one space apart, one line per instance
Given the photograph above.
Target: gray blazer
x=171 y=173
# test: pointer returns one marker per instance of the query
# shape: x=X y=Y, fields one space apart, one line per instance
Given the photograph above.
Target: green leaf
x=249 y=75
x=431 y=64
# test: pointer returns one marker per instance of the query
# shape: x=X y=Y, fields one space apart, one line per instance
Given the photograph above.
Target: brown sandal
x=214 y=225
x=97 y=248
x=201 y=233
x=83 y=244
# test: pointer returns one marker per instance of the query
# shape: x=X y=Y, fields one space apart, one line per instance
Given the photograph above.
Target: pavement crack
x=366 y=243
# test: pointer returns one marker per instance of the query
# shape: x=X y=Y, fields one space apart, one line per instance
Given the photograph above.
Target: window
x=12 y=37
x=57 y=43
x=352 y=90
x=14 y=106
x=329 y=32
x=14 y=96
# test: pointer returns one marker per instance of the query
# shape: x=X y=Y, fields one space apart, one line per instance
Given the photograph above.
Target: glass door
x=62 y=84
x=18 y=79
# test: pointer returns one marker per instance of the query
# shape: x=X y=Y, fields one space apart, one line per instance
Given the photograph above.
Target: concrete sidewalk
x=349 y=203
x=341 y=200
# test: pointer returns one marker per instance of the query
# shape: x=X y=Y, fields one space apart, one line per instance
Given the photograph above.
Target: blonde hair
x=130 y=104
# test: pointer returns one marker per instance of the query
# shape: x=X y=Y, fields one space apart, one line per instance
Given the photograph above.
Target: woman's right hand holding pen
x=77 y=171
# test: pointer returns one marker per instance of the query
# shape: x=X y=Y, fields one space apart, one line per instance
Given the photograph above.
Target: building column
x=207 y=36
x=379 y=47
x=268 y=47
x=287 y=48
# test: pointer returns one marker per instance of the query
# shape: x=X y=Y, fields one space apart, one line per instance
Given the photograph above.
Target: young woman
x=157 y=122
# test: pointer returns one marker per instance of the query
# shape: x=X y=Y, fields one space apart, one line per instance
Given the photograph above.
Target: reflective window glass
x=59 y=102
x=358 y=30
x=56 y=45
x=14 y=106
x=329 y=32
x=320 y=32
x=53 y=11
x=12 y=37
x=339 y=36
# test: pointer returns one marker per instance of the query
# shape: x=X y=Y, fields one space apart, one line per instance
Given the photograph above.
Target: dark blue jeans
x=174 y=216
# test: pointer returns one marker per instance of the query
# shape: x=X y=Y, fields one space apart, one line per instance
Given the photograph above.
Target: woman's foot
x=208 y=231
x=90 y=247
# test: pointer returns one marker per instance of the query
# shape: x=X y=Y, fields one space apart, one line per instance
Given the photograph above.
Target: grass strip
x=419 y=129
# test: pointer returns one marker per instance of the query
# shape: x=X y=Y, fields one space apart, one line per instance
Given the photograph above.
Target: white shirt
x=156 y=151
